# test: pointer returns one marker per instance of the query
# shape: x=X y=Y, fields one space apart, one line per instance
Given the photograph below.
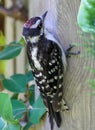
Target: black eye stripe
x=34 y=32
x=31 y=32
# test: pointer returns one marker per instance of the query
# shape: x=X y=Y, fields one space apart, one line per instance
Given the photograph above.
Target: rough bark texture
x=61 y=21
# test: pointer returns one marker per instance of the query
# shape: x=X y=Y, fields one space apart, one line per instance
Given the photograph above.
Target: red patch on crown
x=31 y=22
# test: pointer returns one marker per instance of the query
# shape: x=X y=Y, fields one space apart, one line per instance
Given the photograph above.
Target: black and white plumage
x=48 y=63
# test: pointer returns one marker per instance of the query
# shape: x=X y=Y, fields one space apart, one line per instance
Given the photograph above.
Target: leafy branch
x=14 y=111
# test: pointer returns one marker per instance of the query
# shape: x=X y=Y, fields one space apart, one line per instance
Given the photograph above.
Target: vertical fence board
x=20 y=60
x=9 y=37
x=13 y=31
x=61 y=21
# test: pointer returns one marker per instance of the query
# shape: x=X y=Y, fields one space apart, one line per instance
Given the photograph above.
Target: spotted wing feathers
x=50 y=79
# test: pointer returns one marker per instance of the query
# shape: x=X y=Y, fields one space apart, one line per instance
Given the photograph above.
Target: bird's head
x=34 y=28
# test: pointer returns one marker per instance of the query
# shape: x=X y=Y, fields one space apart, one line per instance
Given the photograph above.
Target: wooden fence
x=13 y=30
x=61 y=20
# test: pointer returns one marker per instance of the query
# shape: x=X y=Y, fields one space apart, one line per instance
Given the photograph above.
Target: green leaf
x=22 y=41
x=13 y=127
x=86 y=16
x=6 y=108
x=31 y=94
x=15 y=96
x=11 y=51
x=28 y=125
x=2 y=123
x=19 y=109
x=37 y=111
x=29 y=76
x=16 y=83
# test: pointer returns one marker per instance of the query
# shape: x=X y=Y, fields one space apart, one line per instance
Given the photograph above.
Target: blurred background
x=13 y=14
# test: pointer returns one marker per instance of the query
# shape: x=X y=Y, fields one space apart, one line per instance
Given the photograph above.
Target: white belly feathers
x=34 y=58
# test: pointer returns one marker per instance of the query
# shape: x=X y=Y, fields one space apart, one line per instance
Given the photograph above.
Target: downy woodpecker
x=48 y=63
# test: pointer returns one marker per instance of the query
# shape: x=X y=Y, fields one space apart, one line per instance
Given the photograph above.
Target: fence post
x=62 y=22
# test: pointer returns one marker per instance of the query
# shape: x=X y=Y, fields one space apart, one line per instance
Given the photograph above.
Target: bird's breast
x=34 y=54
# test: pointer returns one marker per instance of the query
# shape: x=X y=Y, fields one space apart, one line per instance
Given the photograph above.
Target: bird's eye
x=40 y=25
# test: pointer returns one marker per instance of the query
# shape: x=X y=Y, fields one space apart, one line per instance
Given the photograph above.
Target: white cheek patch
x=36 y=24
x=34 y=39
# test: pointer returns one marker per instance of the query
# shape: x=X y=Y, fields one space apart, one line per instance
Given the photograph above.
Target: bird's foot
x=68 y=53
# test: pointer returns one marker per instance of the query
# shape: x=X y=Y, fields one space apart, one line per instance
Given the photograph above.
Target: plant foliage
x=14 y=111
x=86 y=21
x=86 y=16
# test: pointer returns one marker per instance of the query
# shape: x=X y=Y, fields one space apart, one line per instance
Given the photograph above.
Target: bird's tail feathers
x=57 y=118
x=54 y=116
x=51 y=117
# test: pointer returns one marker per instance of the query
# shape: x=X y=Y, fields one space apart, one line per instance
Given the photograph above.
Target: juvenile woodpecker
x=48 y=63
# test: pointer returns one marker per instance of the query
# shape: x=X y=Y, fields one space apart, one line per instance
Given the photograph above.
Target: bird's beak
x=44 y=15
